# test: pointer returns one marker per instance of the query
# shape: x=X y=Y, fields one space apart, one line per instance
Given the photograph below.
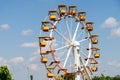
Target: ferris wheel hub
x=75 y=43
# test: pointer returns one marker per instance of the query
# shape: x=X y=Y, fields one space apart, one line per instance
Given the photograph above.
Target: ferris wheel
x=67 y=46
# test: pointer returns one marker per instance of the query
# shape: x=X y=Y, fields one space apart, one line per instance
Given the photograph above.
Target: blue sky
x=20 y=22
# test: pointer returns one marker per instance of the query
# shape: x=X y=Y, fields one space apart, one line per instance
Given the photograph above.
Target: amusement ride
x=68 y=48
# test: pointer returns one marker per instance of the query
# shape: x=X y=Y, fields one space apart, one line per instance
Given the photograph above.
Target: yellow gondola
x=53 y=17
x=72 y=10
x=96 y=55
x=94 y=69
x=43 y=44
x=95 y=41
x=82 y=16
x=63 y=11
x=89 y=28
x=44 y=60
x=50 y=75
x=46 y=28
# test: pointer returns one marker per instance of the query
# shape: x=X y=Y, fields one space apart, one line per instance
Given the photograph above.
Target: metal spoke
x=85 y=56
x=82 y=40
x=61 y=35
x=62 y=47
x=68 y=29
x=80 y=35
x=67 y=57
x=75 y=33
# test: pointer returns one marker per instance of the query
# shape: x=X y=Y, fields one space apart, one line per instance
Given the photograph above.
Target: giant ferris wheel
x=68 y=48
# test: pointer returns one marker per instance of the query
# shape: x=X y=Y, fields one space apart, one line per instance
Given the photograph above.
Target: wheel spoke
x=61 y=35
x=80 y=35
x=68 y=29
x=75 y=33
x=67 y=57
x=62 y=47
x=85 y=56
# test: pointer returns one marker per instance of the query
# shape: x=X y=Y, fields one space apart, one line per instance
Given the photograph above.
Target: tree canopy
x=102 y=77
x=4 y=73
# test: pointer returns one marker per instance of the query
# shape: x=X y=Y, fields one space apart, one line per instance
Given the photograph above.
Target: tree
x=96 y=78
x=4 y=73
x=117 y=77
x=102 y=77
x=31 y=77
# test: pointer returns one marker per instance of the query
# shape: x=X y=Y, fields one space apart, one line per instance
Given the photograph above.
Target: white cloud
x=2 y=61
x=4 y=27
x=37 y=51
x=16 y=60
x=33 y=67
x=32 y=44
x=110 y=22
x=34 y=58
x=115 y=32
x=27 y=32
x=114 y=63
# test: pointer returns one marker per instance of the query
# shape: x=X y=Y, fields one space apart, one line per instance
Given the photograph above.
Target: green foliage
x=4 y=73
x=102 y=77
x=70 y=77
x=31 y=77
